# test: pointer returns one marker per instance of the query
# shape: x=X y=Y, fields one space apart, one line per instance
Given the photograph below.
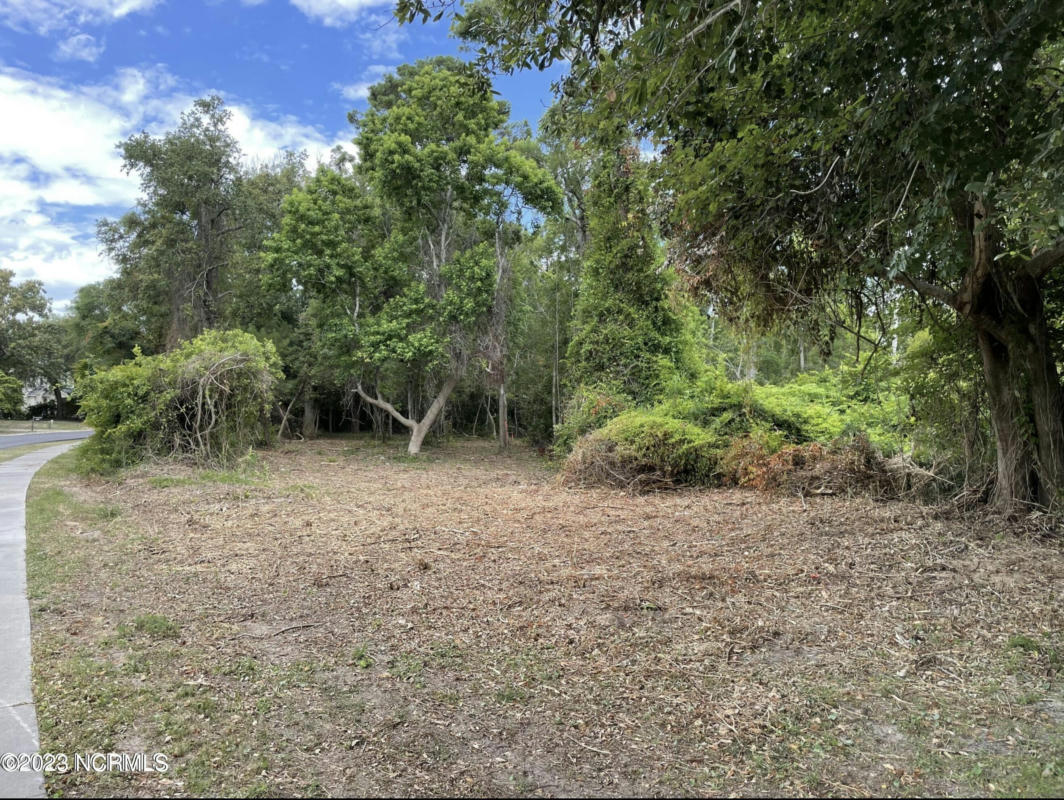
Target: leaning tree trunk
x=420 y=429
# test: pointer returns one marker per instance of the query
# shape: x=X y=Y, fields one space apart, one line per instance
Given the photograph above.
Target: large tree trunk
x=60 y=403
x=1002 y=296
x=194 y=296
x=1047 y=402
x=1015 y=457
x=1025 y=393
x=180 y=328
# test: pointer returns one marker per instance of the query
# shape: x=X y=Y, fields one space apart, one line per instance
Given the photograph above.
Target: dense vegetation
x=855 y=165
x=209 y=398
x=819 y=227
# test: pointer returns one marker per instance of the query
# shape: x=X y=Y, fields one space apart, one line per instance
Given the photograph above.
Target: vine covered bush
x=588 y=409
x=644 y=450
x=210 y=399
x=715 y=431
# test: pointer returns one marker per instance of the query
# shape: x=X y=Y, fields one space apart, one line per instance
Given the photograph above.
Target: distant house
x=35 y=394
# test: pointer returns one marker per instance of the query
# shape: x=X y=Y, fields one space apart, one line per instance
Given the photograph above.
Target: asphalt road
x=20 y=439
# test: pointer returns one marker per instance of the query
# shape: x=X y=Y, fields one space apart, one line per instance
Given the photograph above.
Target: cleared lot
x=337 y=618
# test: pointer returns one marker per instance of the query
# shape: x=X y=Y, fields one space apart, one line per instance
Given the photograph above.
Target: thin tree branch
x=820 y=185
x=384 y=405
x=923 y=287
x=713 y=17
x=905 y=194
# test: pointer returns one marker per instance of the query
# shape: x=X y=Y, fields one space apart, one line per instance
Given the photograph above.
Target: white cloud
x=355 y=91
x=261 y=140
x=79 y=47
x=60 y=132
x=380 y=37
x=44 y=16
x=360 y=90
x=60 y=170
x=378 y=34
x=336 y=13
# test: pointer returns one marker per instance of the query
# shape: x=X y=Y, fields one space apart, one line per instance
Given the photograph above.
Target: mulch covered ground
x=343 y=620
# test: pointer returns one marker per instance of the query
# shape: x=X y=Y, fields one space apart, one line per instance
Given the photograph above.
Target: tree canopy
x=856 y=151
x=395 y=259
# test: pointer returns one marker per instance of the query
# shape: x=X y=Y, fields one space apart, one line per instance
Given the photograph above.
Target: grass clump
x=156 y=626
x=1043 y=650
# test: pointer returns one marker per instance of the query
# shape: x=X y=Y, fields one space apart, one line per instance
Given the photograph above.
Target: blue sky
x=77 y=76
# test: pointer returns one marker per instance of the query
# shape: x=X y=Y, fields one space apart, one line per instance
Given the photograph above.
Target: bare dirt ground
x=338 y=619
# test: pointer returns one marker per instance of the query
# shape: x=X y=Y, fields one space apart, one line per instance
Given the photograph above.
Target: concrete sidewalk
x=18 y=716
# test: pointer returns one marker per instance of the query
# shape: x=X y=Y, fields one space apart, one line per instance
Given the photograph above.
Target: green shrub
x=837 y=403
x=641 y=449
x=728 y=409
x=589 y=408
x=10 y=395
x=209 y=399
x=681 y=450
x=813 y=407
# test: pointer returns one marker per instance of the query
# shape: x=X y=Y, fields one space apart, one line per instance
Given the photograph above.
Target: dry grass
x=339 y=619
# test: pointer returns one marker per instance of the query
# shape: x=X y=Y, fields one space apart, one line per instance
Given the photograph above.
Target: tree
x=45 y=351
x=23 y=307
x=251 y=298
x=175 y=245
x=506 y=202
x=560 y=246
x=33 y=344
x=433 y=146
x=10 y=394
x=329 y=246
x=625 y=332
x=863 y=149
x=106 y=321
